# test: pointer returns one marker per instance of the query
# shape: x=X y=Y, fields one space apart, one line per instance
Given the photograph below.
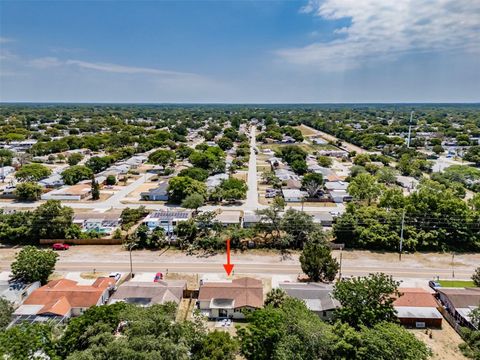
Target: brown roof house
x=62 y=299
x=227 y=299
x=417 y=308
x=459 y=302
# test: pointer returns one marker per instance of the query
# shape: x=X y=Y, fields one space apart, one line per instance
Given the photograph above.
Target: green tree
x=233 y=189
x=317 y=262
x=390 y=341
x=193 y=201
x=275 y=297
x=111 y=180
x=76 y=173
x=438 y=149
x=194 y=173
x=386 y=175
x=6 y=311
x=74 y=159
x=131 y=216
x=366 y=300
x=364 y=187
x=32 y=265
x=28 y=191
x=32 y=172
x=217 y=345
x=286 y=331
x=162 y=157
x=97 y=163
x=50 y=220
x=476 y=277
x=95 y=189
x=473 y=154
x=179 y=187
x=28 y=341
x=312 y=183
x=225 y=143
x=324 y=161
x=299 y=227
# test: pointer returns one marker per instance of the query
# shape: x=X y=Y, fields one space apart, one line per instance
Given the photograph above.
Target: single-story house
x=322 y=217
x=166 y=219
x=334 y=153
x=293 y=184
x=61 y=299
x=228 y=299
x=286 y=174
x=293 y=195
x=417 y=308
x=53 y=181
x=5 y=171
x=250 y=219
x=336 y=185
x=460 y=302
x=15 y=291
x=74 y=192
x=149 y=293
x=340 y=196
x=229 y=217
x=159 y=193
x=104 y=223
x=319 y=141
x=215 y=180
x=318 y=297
x=407 y=182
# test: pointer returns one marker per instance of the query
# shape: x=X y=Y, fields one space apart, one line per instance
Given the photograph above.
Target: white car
x=115 y=275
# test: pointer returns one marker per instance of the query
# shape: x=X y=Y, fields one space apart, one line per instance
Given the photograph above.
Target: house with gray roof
x=159 y=193
x=317 y=297
x=149 y=293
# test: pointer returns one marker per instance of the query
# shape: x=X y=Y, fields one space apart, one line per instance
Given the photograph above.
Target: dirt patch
x=92 y=275
x=443 y=342
x=192 y=280
x=307 y=131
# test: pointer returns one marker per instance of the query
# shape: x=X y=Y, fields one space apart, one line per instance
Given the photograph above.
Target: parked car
x=115 y=275
x=60 y=246
x=434 y=285
x=158 y=277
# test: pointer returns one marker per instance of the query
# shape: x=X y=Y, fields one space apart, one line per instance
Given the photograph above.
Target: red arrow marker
x=228 y=267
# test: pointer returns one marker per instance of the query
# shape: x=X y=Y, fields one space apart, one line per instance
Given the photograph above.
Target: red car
x=60 y=246
x=158 y=277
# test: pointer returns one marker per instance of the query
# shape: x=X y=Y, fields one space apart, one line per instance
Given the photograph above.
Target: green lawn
x=456 y=283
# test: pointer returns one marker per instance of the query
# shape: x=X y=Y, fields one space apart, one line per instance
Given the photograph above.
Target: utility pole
x=409 y=129
x=340 y=267
x=401 y=237
x=131 y=265
x=453 y=265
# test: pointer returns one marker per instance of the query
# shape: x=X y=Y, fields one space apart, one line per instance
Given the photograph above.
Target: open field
x=456 y=283
x=443 y=342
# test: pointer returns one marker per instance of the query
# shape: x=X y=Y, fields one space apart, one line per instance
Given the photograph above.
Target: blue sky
x=240 y=51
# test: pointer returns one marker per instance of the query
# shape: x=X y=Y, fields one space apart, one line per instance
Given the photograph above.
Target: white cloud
x=45 y=62
x=382 y=30
x=122 y=69
x=4 y=40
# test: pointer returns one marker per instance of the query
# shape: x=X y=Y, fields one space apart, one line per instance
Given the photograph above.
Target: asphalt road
x=250 y=268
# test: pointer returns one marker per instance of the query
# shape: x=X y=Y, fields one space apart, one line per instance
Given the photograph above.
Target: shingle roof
x=462 y=297
x=244 y=291
x=152 y=293
x=415 y=297
x=317 y=297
